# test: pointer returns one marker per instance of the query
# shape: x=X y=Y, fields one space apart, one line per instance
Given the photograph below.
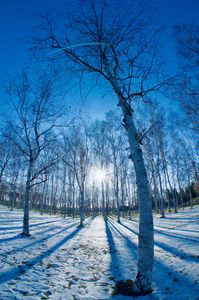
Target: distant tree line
x=142 y=157
x=64 y=170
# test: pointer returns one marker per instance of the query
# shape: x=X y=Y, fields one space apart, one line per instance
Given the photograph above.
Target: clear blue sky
x=18 y=18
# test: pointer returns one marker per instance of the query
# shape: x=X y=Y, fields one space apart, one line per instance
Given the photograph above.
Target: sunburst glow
x=98 y=175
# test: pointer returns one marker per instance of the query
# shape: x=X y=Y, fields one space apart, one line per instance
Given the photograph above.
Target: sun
x=98 y=175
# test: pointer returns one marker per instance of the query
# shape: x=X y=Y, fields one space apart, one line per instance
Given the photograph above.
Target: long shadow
x=115 y=266
x=13 y=238
x=6 y=212
x=187 y=230
x=87 y=222
x=176 y=252
x=35 y=224
x=170 y=249
x=17 y=228
x=10 y=232
x=172 y=220
x=178 y=236
x=14 y=272
x=32 y=225
x=42 y=239
x=127 y=240
x=130 y=229
x=163 y=271
x=10 y=228
x=132 y=221
x=10 y=221
x=18 y=236
x=182 y=218
x=172 y=235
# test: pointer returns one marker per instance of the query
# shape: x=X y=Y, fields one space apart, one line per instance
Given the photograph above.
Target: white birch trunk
x=179 y=186
x=117 y=198
x=143 y=282
x=26 y=231
x=81 y=207
x=171 y=189
x=161 y=196
x=103 y=200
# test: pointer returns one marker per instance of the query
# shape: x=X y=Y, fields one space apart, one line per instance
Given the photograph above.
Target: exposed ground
x=62 y=261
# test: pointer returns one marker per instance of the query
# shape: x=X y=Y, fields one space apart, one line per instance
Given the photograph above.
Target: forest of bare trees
x=59 y=177
x=142 y=157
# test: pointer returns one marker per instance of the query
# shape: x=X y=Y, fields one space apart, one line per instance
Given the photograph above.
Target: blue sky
x=18 y=19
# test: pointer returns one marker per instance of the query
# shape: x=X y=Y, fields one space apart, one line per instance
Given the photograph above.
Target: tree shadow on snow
x=117 y=257
x=32 y=225
x=161 y=270
x=177 y=236
x=74 y=223
x=21 y=269
x=187 y=230
x=127 y=256
x=169 y=234
x=179 y=219
x=3 y=221
x=13 y=238
x=169 y=248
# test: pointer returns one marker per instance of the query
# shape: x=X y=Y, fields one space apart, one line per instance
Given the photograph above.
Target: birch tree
x=5 y=156
x=187 y=90
x=101 y=160
x=116 y=142
x=76 y=147
x=31 y=132
x=121 y=50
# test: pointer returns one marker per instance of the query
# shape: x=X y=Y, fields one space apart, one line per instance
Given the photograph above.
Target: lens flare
x=98 y=175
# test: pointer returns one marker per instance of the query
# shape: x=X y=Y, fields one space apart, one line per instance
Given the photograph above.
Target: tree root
x=128 y=288
x=25 y=234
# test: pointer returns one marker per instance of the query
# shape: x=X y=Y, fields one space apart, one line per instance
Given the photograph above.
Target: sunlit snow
x=62 y=261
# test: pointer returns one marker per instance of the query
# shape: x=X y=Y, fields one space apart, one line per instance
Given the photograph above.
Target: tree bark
x=117 y=197
x=26 y=231
x=161 y=196
x=81 y=207
x=143 y=282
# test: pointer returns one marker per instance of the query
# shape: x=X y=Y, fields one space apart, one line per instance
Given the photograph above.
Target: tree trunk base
x=129 y=288
x=80 y=225
x=23 y=234
x=162 y=217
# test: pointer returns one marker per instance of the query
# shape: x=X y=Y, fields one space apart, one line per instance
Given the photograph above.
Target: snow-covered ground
x=62 y=261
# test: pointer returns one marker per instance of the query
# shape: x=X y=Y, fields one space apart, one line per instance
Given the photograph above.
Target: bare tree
x=121 y=49
x=5 y=156
x=116 y=141
x=187 y=89
x=31 y=132
x=76 y=156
